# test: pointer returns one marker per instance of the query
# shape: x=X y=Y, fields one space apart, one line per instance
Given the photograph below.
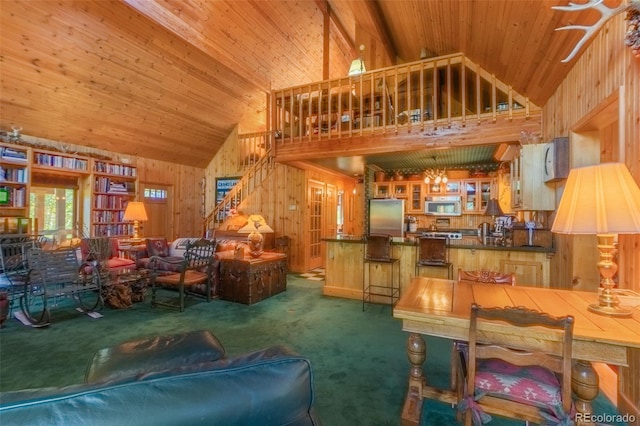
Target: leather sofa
x=175 y=380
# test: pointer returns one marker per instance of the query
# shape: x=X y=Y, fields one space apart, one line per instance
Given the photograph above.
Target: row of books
x=13 y=197
x=8 y=174
x=107 y=185
x=113 y=202
x=112 y=230
x=59 y=161
x=108 y=216
x=7 y=153
x=115 y=169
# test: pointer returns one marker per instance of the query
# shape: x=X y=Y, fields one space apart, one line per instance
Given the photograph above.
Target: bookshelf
x=53 y=162
x=113 y=186
x=15 y=180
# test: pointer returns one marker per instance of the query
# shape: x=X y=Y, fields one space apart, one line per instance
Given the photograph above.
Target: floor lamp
x=601 y=200
x=136 y=212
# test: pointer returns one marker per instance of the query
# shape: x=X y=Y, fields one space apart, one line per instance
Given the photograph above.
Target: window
x=54 y=209
x=155 y=194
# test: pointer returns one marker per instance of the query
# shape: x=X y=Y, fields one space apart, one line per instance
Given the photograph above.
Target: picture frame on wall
x=223 y=186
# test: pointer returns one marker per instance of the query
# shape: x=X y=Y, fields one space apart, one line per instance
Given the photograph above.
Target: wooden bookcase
x=113 y=185
x=15 y=180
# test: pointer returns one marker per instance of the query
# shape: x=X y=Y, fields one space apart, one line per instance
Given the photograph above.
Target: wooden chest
x=250 y=280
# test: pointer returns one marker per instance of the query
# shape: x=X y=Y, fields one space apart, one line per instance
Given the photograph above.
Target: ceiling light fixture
x=357 y=66
x=435 y=176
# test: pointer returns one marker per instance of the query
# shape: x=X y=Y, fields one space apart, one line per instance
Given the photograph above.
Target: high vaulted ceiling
x=170 y=79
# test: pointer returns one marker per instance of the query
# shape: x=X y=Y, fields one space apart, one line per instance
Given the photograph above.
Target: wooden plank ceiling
x=170 y=79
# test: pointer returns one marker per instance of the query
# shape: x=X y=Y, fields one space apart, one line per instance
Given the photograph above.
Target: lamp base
x=610 y=311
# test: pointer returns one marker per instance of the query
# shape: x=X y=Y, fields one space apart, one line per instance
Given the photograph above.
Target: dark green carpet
x=358 y=358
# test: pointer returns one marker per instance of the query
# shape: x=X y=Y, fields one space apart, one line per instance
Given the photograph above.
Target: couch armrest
x=137 y=358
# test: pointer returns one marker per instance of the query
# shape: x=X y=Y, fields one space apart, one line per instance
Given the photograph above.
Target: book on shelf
x=7 y=153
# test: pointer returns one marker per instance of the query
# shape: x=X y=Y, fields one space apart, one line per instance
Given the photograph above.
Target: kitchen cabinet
x=451 y=187
x=528 y=190
x=476 y=194
x=391 y=189
x=416 y=198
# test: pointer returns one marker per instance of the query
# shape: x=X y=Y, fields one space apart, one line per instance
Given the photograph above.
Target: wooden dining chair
x=196 y=268
x=459 y=348
x=518 y=377
x=484 y=276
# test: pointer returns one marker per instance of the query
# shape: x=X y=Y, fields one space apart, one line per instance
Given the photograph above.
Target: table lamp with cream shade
x=255 y=227
x=603 y=200
x=136 y=212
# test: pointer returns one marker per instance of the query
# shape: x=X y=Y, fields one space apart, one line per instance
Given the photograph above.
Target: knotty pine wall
x=282 y=199
x=605 y=66
x=184 y=182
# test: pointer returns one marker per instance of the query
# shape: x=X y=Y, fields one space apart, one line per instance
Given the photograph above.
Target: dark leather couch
x=180 y=379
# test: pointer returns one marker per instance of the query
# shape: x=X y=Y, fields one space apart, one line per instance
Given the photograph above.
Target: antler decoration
x=606 y=13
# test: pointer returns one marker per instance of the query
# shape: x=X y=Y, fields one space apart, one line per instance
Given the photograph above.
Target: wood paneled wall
x=184 y=181
x=282 y=199
x=606 y=67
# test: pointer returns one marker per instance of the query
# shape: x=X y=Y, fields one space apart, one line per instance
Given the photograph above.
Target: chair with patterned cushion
x=459 y=349
x=519 y=378
x=195 y=268
x=159 y=247
x=106 y=252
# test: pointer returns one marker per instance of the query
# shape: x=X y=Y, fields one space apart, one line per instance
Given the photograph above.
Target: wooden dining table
x=439 y=307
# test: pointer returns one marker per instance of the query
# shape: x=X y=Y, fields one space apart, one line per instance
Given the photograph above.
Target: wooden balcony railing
x=421 y=95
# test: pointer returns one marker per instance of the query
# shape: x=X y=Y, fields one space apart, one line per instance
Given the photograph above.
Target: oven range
x=443 y=234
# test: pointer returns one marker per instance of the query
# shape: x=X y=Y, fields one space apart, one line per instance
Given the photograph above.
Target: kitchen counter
x=457 y=244
x=344 y=263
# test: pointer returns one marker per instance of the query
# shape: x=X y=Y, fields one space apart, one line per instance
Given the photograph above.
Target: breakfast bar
x=344 y=263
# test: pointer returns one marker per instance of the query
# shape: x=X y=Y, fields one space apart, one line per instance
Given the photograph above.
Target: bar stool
x=433 y=253
x=378 y=253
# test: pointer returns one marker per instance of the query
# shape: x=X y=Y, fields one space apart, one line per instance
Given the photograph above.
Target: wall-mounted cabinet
x=528 y=190
x=391 y=189
x=416 y=198
x=476 y=194
x=15 y=178
x=451 y=187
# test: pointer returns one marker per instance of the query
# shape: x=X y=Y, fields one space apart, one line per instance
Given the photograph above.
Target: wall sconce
x=435 y=176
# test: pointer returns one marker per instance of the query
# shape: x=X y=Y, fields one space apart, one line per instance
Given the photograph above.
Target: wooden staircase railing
x=256 y=171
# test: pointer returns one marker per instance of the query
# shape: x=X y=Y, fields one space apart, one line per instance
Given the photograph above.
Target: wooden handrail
x=257 y=167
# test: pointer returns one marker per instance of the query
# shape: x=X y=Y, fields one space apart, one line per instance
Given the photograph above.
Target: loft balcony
x=436 y=102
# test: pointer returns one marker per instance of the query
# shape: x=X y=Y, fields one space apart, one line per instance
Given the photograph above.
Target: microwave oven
x=445 y=205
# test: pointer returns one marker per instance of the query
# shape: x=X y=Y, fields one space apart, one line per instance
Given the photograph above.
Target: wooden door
x=315 y=195
x=157 y=202
x=331 y=208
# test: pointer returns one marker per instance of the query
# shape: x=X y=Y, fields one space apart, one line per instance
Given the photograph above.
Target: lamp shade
x=600 y=199
x=357 y=67
x=135 y=211
x=256 y=223
x=493 y=208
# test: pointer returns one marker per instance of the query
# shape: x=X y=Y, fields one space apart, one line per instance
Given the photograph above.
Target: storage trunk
x=250 y=280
